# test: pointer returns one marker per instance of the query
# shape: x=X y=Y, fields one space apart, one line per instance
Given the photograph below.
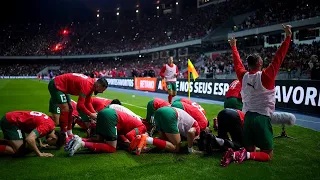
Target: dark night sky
x=64 y=10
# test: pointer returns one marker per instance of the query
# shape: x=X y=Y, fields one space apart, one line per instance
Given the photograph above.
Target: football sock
x=85 y=139
x=131 y=135
x=63 y=121
x=170 y=99
x=69 y=132
x=220 y=141
x=258 y=156
x=2 y=148
x=99 y=147
x=70 y=121
x=81 y=124
x=156 y=142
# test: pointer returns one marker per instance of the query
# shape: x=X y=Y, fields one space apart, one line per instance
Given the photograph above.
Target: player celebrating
x=258 y=97
x=169 y=73
x=233 y=96
x=110 y=123
x=172 y=123
x=15 y=124
x=193 y=112
x=185 y=100
x=74 y=84
x=152 y=106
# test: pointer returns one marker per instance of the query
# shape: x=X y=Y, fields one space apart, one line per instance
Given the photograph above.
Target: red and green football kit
x=99 y=103
x=187 y=101
x=233 y=96
x=193 y=112
x=111 y=123
x=14 y=124
x=257 y=127
x=154 y=105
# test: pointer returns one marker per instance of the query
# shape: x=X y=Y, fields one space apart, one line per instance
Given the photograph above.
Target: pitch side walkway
x=302 y=120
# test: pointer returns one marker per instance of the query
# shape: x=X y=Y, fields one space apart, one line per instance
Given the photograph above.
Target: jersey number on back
x=198 y=107
x=35 y=113
x=80 y=75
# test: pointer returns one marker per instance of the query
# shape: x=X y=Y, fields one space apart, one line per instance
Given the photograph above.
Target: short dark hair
x=103 y=82
x=253 y=61
x=61 y=139
x=116 y=101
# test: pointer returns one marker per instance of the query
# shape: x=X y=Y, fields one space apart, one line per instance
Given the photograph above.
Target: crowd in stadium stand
x=282 y=11
x=300 y=59
x=126 y=35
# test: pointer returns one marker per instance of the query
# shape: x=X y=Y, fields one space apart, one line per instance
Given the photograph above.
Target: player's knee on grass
x=16 y=144
x=173 y=142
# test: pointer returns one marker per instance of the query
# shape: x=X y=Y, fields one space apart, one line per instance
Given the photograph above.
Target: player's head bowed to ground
x=172 y=124
x=15 y=124
x=113 y=127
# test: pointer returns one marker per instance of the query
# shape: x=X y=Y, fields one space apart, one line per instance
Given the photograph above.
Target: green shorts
x=10 y=132
x=84 y=117
x=166 y=120
x=177 y=104
x=233 y=103
x=150 y=112
x=257 y=131
x=57 y=97
x=107 y=121
x=171 y=86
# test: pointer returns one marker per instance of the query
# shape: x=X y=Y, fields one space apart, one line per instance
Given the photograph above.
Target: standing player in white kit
x=169 y=73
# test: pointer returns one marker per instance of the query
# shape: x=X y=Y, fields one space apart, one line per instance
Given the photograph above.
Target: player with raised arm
x=169 y=73
x=194 y=112
x=15 y=124
x=110 y=124
x=75 y=84
x=258 y=97
x=172 y=124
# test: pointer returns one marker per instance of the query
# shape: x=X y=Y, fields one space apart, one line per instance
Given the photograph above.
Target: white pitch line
x=308 y=121
x=134 y=105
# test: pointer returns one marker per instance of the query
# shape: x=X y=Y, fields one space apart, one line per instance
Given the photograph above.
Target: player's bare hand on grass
x=287 y=29
x=233 y=41
x=46 y=155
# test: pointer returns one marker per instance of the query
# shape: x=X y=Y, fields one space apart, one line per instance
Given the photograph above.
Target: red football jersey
x=74 y=107
x=126 y=123
x=28 y=121
x=99 y=103
x=159 y=103
x=187 y=101
x=197 y=114
x=234 y=89
x=75 y=84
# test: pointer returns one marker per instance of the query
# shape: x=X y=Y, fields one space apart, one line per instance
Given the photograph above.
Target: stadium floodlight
x=137 y=11
x=118 y=13
x=177 y=3
x=98 y=15
x=118 y=9
x=157 y=7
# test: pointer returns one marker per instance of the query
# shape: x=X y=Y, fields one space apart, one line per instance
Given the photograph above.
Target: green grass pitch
x=293 y=159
